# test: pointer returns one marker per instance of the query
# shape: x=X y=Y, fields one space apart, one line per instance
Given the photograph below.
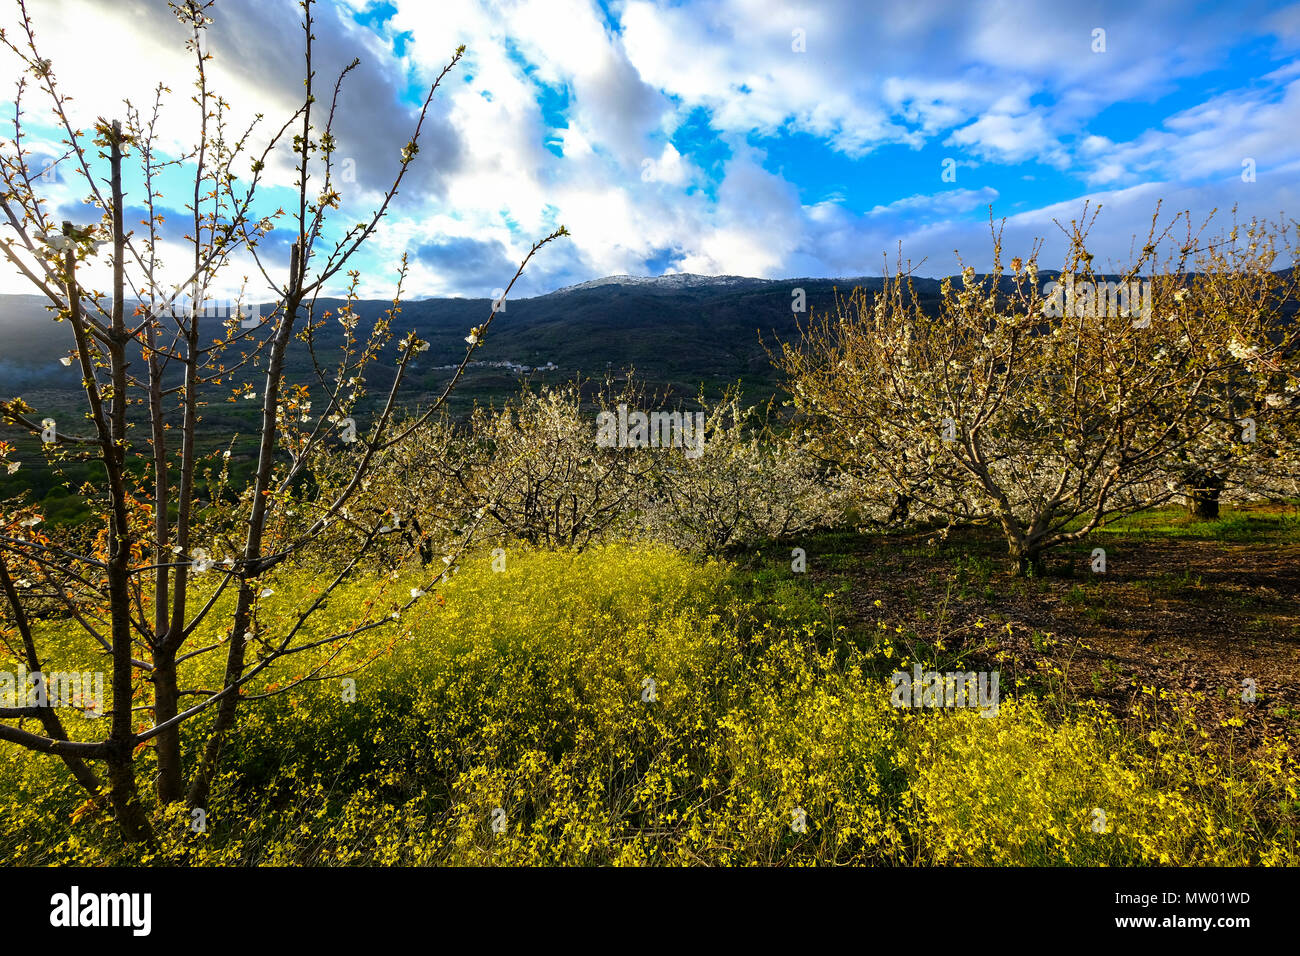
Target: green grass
x=1280 y=525
x=525 y=691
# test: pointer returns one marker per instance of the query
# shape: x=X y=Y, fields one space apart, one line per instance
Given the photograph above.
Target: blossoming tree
x=179 y=567
x=1042 y=415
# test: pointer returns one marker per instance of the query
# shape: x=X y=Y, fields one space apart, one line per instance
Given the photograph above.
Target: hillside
x=677 y=331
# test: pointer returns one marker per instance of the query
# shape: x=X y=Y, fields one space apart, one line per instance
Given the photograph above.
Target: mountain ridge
x=680 y=331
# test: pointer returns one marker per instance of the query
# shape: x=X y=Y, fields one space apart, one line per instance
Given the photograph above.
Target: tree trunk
x=122 y=790
x=1202 y=488
x=1030 y=562
x=171 y=780
x=1203 y=502
x=899 y=511
x=125 y=798
x=1203 y=506
x=201 y=783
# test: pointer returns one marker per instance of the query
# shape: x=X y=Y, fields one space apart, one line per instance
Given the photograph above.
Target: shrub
x=520 y=697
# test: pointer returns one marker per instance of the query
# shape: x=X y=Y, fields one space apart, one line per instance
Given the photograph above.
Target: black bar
x=336 y=907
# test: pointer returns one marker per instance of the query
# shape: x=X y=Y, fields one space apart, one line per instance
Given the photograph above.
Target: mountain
x=679 y=333
x=676 y=331
x=673 y=282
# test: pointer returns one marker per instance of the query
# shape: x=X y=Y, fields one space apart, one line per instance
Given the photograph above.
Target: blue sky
x=744 y=136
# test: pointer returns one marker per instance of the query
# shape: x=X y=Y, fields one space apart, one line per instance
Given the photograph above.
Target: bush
x=521 y=697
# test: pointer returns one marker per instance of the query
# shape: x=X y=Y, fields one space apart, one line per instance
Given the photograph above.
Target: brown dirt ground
x=1193 y=617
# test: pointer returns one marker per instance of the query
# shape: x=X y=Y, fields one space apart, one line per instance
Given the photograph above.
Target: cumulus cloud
x=648 y=129
x=483 y=265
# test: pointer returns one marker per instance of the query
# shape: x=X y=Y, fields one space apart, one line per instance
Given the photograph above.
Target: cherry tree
x=1046 y=405
x=178 y=566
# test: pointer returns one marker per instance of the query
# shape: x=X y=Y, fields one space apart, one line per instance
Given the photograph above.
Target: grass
x=521 y=698
x=1256 y=524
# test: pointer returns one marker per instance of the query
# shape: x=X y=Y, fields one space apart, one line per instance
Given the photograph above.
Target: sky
x=719 y=137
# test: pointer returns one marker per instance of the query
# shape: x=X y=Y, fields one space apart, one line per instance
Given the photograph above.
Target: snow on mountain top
x=673 y=281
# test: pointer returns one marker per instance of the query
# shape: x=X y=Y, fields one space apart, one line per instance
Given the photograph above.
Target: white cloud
x=945 y=203
x=995 y=84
